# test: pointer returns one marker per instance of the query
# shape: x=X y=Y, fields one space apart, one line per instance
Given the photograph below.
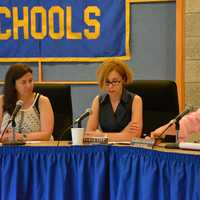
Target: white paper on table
x=189 y=145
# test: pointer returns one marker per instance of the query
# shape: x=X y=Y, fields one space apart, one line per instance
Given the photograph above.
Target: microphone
x=78 y=120
x=18 y=106
x=182 y=114
x=176 y=119
x=85 y=114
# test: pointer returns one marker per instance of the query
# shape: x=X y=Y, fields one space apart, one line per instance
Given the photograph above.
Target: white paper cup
x=77 y=136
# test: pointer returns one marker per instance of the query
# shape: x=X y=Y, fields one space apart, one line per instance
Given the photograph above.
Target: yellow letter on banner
x=56 y=10
x=7 y=33
x=38 y=10
x=70 y=34
x=17 y=23
x=92 y=22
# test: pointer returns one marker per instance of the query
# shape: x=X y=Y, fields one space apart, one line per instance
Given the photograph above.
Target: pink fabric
x=189 y=124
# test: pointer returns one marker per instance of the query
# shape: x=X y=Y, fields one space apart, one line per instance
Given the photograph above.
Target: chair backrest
x=60 y=98
x=160 y=102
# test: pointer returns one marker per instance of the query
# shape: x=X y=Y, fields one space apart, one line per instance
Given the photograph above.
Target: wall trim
x=64 y=82
x=150 y=1
x=180 y=52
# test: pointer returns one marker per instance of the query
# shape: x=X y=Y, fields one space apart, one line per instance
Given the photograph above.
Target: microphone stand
x=13 y=141
x=79 y=124
x=177 y=130
x=13 y=131
x=176 y=144
x=77 y=121
x=68 y=128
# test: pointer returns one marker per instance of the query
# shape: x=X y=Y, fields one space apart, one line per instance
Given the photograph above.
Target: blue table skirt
x=97 y=172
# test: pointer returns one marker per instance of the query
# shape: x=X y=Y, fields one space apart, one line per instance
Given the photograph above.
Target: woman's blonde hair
x=113 y=65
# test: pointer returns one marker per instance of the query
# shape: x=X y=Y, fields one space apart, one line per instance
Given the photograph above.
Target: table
x=97 y=172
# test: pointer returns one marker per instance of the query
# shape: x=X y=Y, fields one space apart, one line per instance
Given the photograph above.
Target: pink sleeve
x=189 y=124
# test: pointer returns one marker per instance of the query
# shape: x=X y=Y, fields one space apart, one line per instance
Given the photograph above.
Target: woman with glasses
x=35 y=119
x=117 y=113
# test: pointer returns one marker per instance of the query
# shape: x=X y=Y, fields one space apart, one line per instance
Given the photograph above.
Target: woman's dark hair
x=15 y=72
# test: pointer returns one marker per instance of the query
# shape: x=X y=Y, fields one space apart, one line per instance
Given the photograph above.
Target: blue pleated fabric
x=142 y=174
x=53 y=173
x=97 y=172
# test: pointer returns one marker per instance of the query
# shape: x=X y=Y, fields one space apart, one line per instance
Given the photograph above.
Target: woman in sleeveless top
x=117 y=113
x=35 y=119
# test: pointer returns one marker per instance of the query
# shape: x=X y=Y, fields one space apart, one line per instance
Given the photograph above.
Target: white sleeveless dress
x=27 y=120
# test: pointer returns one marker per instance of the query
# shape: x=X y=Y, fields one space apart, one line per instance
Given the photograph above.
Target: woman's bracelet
x=24 y=136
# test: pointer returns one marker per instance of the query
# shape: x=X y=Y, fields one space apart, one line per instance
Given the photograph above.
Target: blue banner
x=64 y=30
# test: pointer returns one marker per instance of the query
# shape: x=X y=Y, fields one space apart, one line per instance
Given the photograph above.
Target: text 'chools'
x=79 y=29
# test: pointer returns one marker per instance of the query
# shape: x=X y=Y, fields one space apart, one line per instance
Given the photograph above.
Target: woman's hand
x=7 y=135
x=133 y=127
x=162 y=131
x=155 y=134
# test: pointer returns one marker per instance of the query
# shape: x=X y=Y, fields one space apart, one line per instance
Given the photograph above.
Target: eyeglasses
x=113 y=83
